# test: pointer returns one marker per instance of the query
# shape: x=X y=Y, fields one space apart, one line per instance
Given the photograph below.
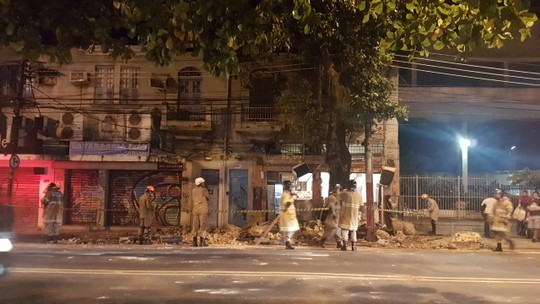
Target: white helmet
x=199 y=180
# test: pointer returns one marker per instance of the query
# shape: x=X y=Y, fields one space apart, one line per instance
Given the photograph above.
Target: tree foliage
x=527 y=178
x=223 y=33
x=353 y=42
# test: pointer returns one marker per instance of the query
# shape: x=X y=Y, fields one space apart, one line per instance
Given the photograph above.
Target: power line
x=472 y=65
x=471 y=71
x=467 y=76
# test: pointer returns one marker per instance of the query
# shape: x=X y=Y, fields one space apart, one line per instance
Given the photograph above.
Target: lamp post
x=464 y=143
x=513 y=158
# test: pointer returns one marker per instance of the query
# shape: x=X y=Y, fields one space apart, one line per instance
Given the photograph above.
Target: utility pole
x=371 y=236
x=18 y=104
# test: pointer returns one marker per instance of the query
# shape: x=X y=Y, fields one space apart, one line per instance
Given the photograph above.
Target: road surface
x=266 y=274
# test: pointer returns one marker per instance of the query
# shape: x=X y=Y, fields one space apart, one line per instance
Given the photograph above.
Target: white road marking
x=305 y=275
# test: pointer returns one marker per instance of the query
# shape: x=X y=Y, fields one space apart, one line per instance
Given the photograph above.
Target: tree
x=353 y=41
x=527 y=178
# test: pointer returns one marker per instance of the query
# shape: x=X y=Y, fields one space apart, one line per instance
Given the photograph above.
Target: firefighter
x=52 y=203
x=199 y=203
x=349 y=216
x=433 y=211
x=501 y=220
x=331 y=221
x=288 y=222
x=146 y=214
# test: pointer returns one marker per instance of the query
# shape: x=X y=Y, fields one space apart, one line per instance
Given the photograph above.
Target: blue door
x=238 y=196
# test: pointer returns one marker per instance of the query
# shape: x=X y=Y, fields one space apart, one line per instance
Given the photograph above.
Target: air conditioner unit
x=138 y=127
x=70 y=126
x=79 y=78
x=111 y=127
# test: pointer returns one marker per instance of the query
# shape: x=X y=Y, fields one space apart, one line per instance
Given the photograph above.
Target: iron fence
x=454 y=201
x=255 y=114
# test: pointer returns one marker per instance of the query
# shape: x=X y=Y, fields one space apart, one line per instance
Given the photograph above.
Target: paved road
x=173 y=274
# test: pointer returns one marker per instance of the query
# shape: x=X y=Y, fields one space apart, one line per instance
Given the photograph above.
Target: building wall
x=223 y=146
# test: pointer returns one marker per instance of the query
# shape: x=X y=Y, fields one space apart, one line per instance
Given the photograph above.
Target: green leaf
x=438 y=45
x=410 y=6
x=378 y=8
x=366 y=18
x=362 y=5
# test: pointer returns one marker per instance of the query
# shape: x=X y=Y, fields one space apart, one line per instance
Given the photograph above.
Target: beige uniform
x=502 y=210
x=52 y=211
x=146 y=210
x=433 y=209
x=287 y=218
x=199 y=203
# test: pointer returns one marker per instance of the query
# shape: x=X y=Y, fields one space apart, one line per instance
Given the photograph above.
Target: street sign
x=14 y=161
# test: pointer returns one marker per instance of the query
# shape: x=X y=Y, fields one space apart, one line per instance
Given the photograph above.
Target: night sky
x=427 y=147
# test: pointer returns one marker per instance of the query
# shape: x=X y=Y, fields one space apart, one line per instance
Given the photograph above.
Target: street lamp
x=464 y=143
x=513 y=158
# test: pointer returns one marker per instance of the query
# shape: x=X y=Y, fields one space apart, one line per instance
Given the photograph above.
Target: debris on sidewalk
x=406 y=227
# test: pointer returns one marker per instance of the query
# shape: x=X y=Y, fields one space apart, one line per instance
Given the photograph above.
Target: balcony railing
x=186 y=112
x=258 y=114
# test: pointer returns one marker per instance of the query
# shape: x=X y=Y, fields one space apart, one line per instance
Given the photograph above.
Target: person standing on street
x=331 y=221
x=502 y=211
x=52 y=203
x=524 y=200
x=349 y=216
x=433 y=211
x=288 y=222
x=487 y=211
x=534 y=219
x=199 y=202
x=146 y=215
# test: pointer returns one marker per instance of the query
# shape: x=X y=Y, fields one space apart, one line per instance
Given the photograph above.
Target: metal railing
x=186 y=112
x=258 y=114
x=454 y=201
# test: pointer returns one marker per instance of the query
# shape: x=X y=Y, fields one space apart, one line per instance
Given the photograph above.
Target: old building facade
x=103 y=130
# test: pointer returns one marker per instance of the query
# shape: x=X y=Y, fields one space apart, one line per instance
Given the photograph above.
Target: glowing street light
x=464 y=143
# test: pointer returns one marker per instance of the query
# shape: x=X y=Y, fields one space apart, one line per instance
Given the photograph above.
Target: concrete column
x=103 y=186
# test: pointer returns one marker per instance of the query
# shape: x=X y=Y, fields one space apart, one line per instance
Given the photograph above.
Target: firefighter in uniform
x=433 y=212
x=146 y=214
x=349 y=216
x=199 y=203
x=288 y=222
x=52 y=203
x=331 y=221
x=501 y=220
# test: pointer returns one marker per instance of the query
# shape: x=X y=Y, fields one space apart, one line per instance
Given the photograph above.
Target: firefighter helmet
x=199 y=181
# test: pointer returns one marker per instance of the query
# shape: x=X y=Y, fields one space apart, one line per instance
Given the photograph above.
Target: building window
x=104 y=80
x=129 y=84
x=357 y=149
x=189 y=80
x=9 y=75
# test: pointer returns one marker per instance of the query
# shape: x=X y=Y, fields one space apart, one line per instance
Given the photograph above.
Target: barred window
x=190 y=81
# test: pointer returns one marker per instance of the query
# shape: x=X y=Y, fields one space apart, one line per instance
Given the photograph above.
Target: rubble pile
x=406 y=227
x=466 y=240
x=461 y=240
x=228 y=235
x=310 y=233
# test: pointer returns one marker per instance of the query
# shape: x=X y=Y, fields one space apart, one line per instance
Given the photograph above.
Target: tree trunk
x=338 y=157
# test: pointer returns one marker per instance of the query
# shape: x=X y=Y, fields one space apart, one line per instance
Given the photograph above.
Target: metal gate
x=454 y=201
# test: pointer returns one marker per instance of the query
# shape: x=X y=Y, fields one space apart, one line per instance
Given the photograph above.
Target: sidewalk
x=111 y=236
